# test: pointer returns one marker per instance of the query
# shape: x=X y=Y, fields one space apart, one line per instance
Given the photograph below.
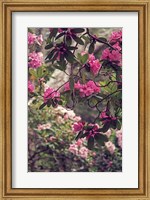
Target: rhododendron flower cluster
x=112 y=55
x=30 y=87
x=35 y=59
x=86 y=89
x=33 y=38
x=78 y=149
x=50 y=93
x=116 y=36
x=94 y=63
x=67 y=114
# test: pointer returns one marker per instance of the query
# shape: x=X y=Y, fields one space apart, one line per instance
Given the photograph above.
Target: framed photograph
x=74 y=99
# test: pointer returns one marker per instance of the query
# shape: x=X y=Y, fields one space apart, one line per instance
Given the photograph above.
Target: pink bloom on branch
x=30 y=87
x=31 y=38
x=85 y=89
x=94 y=64
x=50 y=93
x=116 y=36
x=113 y=56
x=78 y=126
x=89 y=88
x=35 y=59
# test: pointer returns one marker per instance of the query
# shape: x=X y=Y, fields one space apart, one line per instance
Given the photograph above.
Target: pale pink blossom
x=35 y=59
x=110 y=147
x=31 y=87
x=108 y=133
x=52 y=138
x=44 y=126
x=83 y=152
x=78 y=149
x=59 y=120
x=119 y=136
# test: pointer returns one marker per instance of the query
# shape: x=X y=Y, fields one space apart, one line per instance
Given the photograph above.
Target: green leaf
x=33 y=72
x=60 y=35
x=100 y=139
x=77 y=30
x=111 y=108
x=79 y=135
x=84 y=58
x=42 y=106
x=60 y=67
x=102 y=39
x=91 y=48
x=49 y=46
x=90 y=143
x=104 y=128
x=113 y=124
x=78 y=40
x=51 y=54
x=69 y=56
x=118 y=125
x=71 y=83
x=68 y=40
x=53 y=33
x=40 y=72
x=72 y=48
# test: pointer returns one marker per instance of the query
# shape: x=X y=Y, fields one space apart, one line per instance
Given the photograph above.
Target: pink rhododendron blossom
x=31 y=38
x=117 y=46
x=44 y=126
x=50 y=93
x=112 y=55
x=78 y=126
x=115 y=36
x=119 y=136
x=85 y=89
x=30 y=87
x=94 y=64
x=35 y=59
x=110 y=147
x=93 y=132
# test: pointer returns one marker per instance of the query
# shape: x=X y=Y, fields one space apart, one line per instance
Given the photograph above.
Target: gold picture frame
x=143 y=9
